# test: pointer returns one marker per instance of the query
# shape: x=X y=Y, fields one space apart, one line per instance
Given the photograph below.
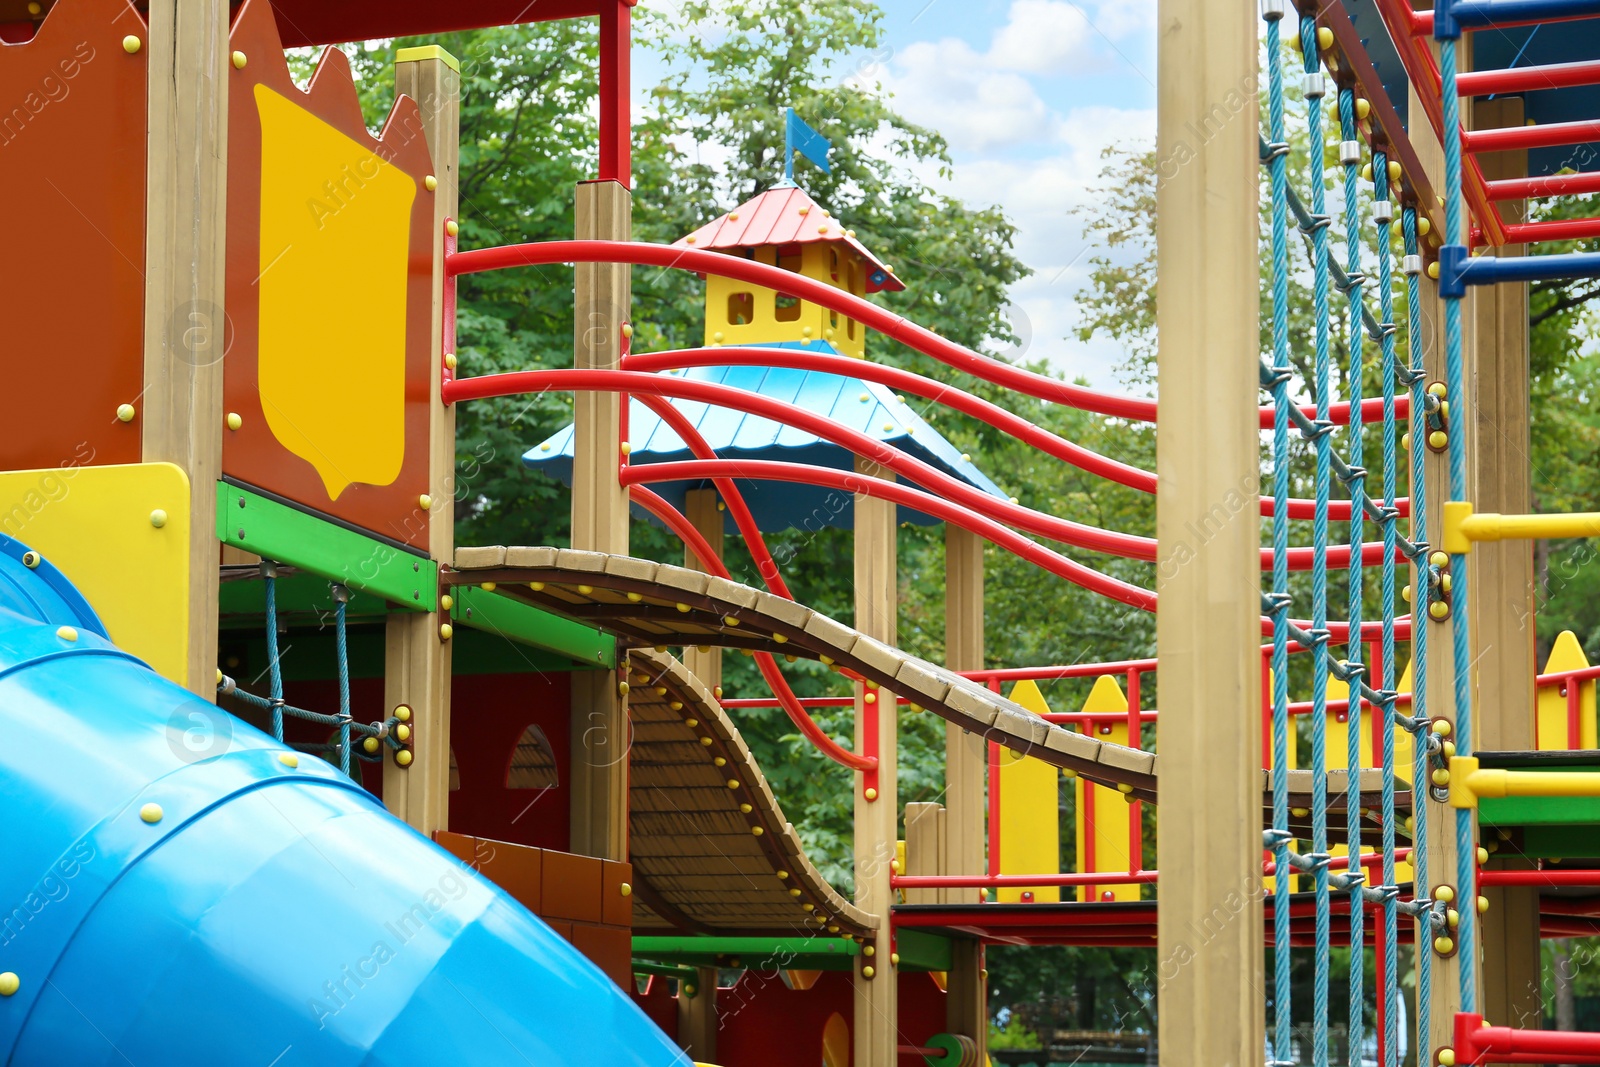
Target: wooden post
x=966 y=1001
x=700 y=508
x=416 y=655
x=876 y=577
x=697 y=1017
x=184 y=320
x=1502 y=585
x=1209 y=959
x=1441 y=825
x=600 y=522
x=925 y=828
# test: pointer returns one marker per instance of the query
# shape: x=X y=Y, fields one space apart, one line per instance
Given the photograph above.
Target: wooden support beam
x=700 y=508
x=416 y=655
x=184 y=319
x=1502 y=583
x=1440 y=695
x=1211 y=1002
x=966 y=1000
x=876 y=578
x=697 y=1017
x=925 y=830
x=600 y=521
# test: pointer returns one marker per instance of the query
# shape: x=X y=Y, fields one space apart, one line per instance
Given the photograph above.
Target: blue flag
x=798 y=137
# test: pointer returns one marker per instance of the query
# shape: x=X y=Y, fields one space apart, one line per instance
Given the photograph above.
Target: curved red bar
x=1052 y=444
x=895 y=327
x=808 y=727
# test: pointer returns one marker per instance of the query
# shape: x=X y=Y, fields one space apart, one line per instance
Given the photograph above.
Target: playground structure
x=235 y=612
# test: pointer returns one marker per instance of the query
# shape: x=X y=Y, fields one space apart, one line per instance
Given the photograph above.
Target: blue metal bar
x=1457 y=269
x=1478 y=14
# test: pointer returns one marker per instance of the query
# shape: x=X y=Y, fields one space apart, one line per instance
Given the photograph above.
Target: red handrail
x=679 y=524
x=895 y=327
x=964 y=402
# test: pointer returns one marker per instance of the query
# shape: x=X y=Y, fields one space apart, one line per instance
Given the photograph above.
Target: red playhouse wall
x=764 y=1023
x=488 y=714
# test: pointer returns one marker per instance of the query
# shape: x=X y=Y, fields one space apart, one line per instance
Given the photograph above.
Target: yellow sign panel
x=335 y=236
x=1104 y=816
x=1030 y=814
x=1565 y=655
x=121 y=535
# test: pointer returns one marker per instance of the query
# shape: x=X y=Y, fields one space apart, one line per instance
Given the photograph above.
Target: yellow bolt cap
x=1483 y=855
x=867 y=971
x=1442 y=727
x=125 y=412
x=424 y=501
x=1423 y=225
x=66 y=633
x=1447 y=1057
x=1483 y=905
x=871 y=793
x=430 y=183
x=370 y=744
x=447 y=602
x=625 y=889
x=131 y=44
x=9 y=983
x=403 y=712
x=1443 y=945
x=289 y=759
x=452 y=228
x=1441 y=776
x=1438 y=610
x=1444 y=893
x=403 y=732
x=403 y=757
x=1433 y=270
x=1438 y=438
x=151 y=813
x=446 y=631
x=158 y=518
x=1324 y=37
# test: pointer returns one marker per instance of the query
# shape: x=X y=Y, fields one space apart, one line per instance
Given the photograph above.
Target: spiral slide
x=251 y=906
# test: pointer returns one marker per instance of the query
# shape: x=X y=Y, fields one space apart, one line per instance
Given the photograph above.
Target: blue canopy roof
x=871 y=409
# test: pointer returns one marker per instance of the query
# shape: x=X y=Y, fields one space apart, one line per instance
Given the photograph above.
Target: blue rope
x=344 y=683
x=275 y=673
x=1353 y=438
x=1420 y=590
x=1380 y=174
x=1319 y=549
x=1466 y=850
x=1278 y=165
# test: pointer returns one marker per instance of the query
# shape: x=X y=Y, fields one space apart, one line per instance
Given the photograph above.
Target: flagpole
x=788 y=147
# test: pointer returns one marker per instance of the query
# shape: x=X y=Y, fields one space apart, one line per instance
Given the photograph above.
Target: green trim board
x=521 y=622
x=243 y=602
x=1560 y=842
x=307 y=654
x=1512 y=812
x=276 y=531
x=922 y=951
x=779 y=953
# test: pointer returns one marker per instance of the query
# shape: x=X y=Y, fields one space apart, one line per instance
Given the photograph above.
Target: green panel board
x=922 y=951
x=768 y=953
x=303 y=599
x=523 y=623
x=1560 y=842
x=288 y=535
x=1539 y=811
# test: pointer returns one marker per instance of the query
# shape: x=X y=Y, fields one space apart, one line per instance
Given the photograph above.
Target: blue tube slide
x=177 y=889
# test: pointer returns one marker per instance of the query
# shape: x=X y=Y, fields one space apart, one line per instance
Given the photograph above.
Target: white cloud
x=1041 y=37
x=947 y=86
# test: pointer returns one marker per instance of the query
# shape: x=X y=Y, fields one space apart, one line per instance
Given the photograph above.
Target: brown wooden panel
x=571 y=887
x=460 y=846
x=254 y=454
x=610 y=947
x=72 y=182
x=616 y=909
x=518 y=869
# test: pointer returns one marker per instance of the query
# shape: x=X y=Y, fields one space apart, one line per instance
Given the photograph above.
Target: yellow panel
x=1565 y=655
x=1112 y=812
x=1337 y=751
x=1030 y=824
x=98 y=525
x=762 y=326
x=335 y=239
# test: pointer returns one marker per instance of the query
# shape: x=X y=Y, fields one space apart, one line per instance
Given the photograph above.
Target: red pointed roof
x=785 y=215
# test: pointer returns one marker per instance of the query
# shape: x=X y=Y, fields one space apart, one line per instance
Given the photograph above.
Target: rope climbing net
x=374 y=735
x=1369 y=328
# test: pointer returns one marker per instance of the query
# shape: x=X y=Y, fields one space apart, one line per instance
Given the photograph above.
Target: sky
x=1028 y=93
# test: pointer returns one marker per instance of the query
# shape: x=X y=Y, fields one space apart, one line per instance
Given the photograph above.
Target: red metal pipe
x=894 y=459
x=895 y=327
x=679 y=524
x=1477 y=1043
x=1544 y=877
x=1128 y=546
x=766 y=566
x=848 y=481
x=1527 y=79
x=1511 y=138
x=1552 y=230
x=616 y=123
x=1550 y=185
x=983 y=410
x=994 y=811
